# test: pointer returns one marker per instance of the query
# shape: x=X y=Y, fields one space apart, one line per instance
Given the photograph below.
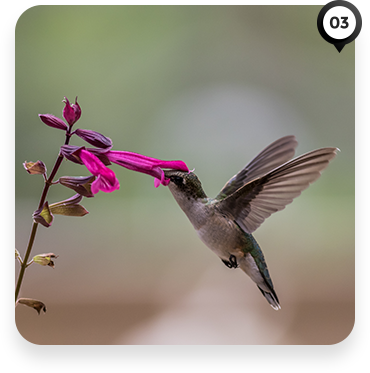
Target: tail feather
x=254 y=265
x=272 y=298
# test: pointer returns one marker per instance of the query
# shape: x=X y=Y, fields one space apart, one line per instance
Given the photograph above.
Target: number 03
x=334 y=22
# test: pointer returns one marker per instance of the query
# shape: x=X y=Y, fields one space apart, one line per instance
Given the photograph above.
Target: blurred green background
x=212 y=86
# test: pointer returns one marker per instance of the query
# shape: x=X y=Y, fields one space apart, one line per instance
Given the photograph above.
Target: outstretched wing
x=274 y=155
x=255 y=201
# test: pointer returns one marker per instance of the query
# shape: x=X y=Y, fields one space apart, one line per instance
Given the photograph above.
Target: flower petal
x=106 y=180
x=92 y=163
x=105 y=183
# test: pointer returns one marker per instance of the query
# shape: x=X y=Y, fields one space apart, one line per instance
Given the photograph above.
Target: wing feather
x=277 y=153
x=256 y=200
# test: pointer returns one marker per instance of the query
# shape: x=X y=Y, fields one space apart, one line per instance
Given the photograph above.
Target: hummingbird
x=265 y=185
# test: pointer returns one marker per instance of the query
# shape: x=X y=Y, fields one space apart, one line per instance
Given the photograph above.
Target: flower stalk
x=48 y=182
x=101 y=178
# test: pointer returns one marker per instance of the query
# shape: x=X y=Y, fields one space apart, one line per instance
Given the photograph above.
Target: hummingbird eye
x=178 y=180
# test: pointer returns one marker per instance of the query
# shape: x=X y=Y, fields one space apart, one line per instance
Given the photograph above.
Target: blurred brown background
x=210 y=85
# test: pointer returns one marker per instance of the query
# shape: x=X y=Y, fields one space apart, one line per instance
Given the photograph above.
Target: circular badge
x=339 y=23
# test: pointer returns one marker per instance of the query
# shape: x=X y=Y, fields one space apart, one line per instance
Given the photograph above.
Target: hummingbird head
x=184 y=185
x=188 y=193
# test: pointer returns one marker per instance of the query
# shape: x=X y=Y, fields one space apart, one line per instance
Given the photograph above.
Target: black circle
x=339 y=44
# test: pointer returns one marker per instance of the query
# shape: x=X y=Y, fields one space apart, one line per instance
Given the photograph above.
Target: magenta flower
x=97 y=159
x=106 y=180
x=146 y=165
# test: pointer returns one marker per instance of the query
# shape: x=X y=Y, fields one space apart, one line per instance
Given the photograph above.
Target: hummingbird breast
x=223 y=236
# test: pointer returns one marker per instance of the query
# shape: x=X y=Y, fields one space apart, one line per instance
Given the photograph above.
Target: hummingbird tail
x=256 y=269
x=272 y=298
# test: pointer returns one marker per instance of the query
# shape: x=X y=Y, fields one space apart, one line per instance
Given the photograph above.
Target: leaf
x=33 y=303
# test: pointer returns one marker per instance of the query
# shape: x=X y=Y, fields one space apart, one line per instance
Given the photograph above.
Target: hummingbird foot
x=231 y=263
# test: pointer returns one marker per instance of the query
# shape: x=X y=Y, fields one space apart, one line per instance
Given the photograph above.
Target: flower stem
x=31 y=240
x=25 y=259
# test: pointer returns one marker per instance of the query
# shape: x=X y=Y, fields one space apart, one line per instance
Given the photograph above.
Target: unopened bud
x=80 y=184
x=94 y=138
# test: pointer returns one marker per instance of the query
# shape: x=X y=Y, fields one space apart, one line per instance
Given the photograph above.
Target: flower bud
x=71 y=113
x=94 y=138
x=52 y=121
x=35 y=168
x=80 y=184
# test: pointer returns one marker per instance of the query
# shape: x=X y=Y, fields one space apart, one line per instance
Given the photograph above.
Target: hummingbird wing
x=255 y=201
x=277 y=153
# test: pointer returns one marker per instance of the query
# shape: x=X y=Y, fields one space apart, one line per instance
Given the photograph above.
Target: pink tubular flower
x=146 y=165
x=106 y=180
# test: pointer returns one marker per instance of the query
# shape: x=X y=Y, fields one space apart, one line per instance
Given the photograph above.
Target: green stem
x=31 y=240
